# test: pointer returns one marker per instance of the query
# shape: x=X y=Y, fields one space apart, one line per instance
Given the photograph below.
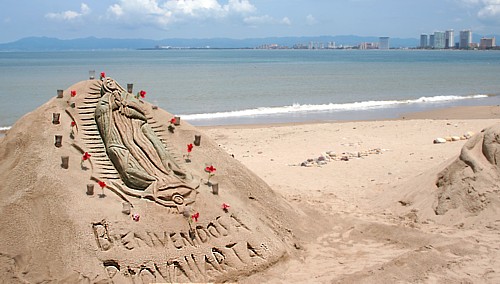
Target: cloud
x=487 y=10
x=311 y=20
x=70 y=15
x=266 y=19
x=286 y=21
x=240 y=6
x=164 y=12
x=490 y=11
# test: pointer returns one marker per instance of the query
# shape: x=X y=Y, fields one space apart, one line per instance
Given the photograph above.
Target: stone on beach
x=439 y=140
x=329 y=156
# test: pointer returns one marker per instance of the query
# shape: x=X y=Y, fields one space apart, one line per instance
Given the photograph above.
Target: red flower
x=73 y=124
x=102 y=184
x=142 y=94
x=195 y=216
x=225 y=207
x=73 y=93
x=172 y=120
x=103 y=75
x=210 y=169
x=136 y=217
x=190 y=148
x=86 y=156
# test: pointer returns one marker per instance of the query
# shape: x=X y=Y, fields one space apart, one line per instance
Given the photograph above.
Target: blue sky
x=160 y=19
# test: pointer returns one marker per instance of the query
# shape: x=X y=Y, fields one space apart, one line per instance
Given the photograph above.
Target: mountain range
x=93 y=43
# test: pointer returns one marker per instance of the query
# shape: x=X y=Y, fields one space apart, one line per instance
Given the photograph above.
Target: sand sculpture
x=155 y=218
x=136 y=152
x=471 y=181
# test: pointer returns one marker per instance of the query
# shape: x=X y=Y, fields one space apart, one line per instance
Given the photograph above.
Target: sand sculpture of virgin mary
x=139 y=156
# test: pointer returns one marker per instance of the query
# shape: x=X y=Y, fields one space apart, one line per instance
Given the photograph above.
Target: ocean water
x=210 y=87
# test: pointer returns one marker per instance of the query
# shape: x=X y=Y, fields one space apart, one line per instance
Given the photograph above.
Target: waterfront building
x=465 y=39
x=424 y=41
x=449 y=39
x=383 y=42
x=368 y=45
x=439 y=40
x=431 y=41
x=487 y=43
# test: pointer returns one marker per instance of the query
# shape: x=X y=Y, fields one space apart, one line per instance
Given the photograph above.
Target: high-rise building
x=449 y=39
x=465 y=39
x=487 y=43
x=439 y=40
x=431 y=41
x=383 y=42
x=424 y=41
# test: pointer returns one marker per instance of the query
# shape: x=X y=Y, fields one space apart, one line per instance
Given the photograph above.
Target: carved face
x=110 y=84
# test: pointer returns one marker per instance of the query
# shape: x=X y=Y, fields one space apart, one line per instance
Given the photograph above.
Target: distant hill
x=93 y=43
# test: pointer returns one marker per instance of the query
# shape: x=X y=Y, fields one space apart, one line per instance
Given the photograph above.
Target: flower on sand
x=73 y=124
x=173 y=120
x=225 y=207
x=73 y=93
x=210 y=170
x=103 y=75
x=86 y=156
x=189 y=150
x=102 y=184
x=141 y=94
x=136 y=217
x=195 y=216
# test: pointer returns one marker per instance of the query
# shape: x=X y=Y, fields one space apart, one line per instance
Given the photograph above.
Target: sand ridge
x=377 y=214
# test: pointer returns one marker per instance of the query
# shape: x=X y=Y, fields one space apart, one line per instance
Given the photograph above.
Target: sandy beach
x=321 y=202
x=361 y=230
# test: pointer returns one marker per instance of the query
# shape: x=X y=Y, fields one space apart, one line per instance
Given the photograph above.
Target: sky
x=162 y=19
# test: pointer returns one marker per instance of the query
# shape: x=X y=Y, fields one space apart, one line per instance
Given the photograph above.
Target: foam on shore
x=331 y=107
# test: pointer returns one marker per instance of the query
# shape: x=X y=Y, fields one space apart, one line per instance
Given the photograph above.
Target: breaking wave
x=300 y=108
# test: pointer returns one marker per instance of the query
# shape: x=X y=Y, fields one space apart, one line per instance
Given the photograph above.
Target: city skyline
x=160 y=19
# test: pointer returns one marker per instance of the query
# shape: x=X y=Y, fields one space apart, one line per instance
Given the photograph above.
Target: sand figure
x=139 y=156
x=471 y=181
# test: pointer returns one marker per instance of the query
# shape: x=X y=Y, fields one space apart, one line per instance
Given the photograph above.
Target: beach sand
x=367 y=233
x=366 y=218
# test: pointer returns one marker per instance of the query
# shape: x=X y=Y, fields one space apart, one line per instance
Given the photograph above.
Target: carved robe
x=135 y=150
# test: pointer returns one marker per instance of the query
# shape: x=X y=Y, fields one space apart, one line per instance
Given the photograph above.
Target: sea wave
x=4 y=128
x=299 y=108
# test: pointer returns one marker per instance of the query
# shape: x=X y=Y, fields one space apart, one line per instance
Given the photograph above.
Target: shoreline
x=447 y=113
x=370 y=114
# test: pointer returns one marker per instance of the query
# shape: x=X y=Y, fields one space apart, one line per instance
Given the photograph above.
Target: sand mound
x=464 y=191
x=472 y=182
x=139 y=228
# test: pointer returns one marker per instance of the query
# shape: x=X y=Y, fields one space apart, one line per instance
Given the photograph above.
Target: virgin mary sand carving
x=138 y=155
